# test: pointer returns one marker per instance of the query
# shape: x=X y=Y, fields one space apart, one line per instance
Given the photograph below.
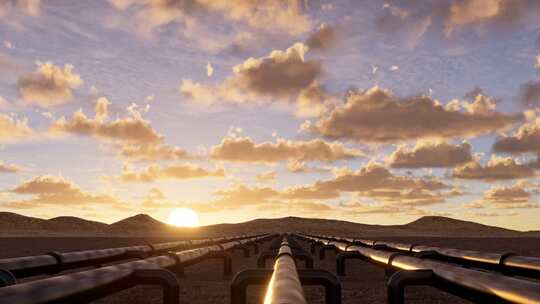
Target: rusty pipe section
x=56 y=262
x=284 y=286
x=497 y=286
x=106 y=280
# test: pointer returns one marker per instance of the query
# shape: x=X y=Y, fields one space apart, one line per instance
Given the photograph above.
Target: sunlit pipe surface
x=64 y=286
x=522 y=265
x=505 y=288
x=42 y=264
x=284 y=286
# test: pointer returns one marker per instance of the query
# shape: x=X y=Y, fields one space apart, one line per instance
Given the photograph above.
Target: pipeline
x=284 y=282
x=475 y=285
x=89 y=285
x=284 y=286
x=56 y=262
x=507 y=263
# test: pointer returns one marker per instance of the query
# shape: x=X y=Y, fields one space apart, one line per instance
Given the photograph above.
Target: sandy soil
x=204 y=282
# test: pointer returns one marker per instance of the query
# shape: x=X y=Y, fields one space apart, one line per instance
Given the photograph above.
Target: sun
x=183 y=217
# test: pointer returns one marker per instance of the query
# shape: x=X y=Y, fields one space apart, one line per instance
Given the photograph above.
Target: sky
x=377 y=112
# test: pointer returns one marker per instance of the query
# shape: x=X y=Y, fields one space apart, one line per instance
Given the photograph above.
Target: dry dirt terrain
x=204 y=282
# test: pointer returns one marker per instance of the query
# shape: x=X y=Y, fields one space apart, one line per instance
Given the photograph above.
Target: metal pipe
x=452 y=278
x=99 y=282
x=56 y=262
x=284 y=286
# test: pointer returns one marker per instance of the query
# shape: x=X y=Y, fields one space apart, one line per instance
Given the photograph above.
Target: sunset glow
x=183 y=217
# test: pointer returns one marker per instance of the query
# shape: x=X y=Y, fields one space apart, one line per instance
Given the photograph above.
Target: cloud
x=530 y=94
x=8 y=44
x=431 y=154
x=266 y=16
x=243 y=149
x=209 y=69
x=283 y=76
x=27 y=7
x=507 y=197
x=49 y=85
x=178 y=172
x=322 y=39
x=375 y=115
x=13 y=11
x=525 y=140
x=411 y=20
x=498 y=168
x=55 y=190
x=238 y=196
x=296 y=166
x=9 y=168
x=374 y=181
x=127 y=130
x=12 y=129
x=145 y=152
x=266 y=176
x=494 y=12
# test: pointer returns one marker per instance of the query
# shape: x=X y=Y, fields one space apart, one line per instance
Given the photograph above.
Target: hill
x=12 y=224
x=138 y=224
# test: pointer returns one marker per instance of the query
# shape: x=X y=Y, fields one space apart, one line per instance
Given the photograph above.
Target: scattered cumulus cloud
x=376 y=115
x=497 y=168
x=13 y=129
x=525 y=140
x=172 y=172
x=132 y=129
x=243 y=149
x=55 y=190
x=49 y=85
x=282 y=76
x=323 y=38
x=9 y=168
x=431 y=154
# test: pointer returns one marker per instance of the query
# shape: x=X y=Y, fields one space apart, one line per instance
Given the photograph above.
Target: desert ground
x=204 y=282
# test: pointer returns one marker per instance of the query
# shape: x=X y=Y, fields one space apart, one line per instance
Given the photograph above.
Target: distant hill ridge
x=13 y=224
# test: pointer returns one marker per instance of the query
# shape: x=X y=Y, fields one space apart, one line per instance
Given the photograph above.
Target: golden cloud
x=237 y=197
x=145 y=152
x=49 y=85
x=323 y=38
x=525 y=140
x=516 y=196
x=266 y=176
x=269 y=15
x=376 y=115
x=131 y=130
x=498 y=168
x=181 y=171
x=530 y=94
x=473 y=12
x=243 y=149
x=412 y=21
x=283 y=76
x=431 y=154
x=27 y=7
x=12 y=129
x=9 y=168
x=374 y=181
x=56 y=190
